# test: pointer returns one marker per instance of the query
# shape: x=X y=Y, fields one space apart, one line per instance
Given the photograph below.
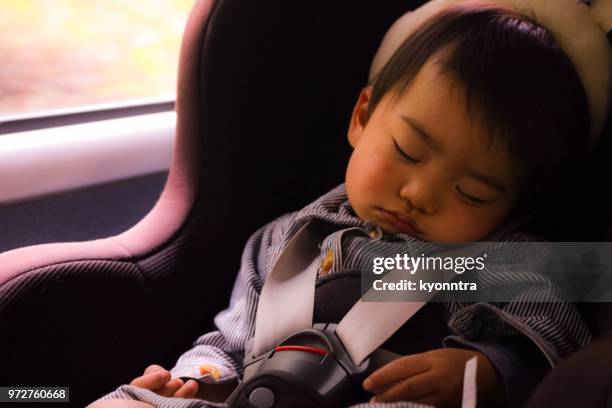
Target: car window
x=60 y=54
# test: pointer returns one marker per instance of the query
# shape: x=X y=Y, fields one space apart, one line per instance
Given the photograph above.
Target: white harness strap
x=286 y=302
x=370 y=323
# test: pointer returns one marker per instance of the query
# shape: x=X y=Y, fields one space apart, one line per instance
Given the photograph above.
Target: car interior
x=265 y=92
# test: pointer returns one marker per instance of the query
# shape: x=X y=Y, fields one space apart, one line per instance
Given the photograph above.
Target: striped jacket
x=552 y=330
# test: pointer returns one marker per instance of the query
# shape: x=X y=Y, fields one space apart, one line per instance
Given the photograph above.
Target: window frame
x=59 y=151
x=23 y=122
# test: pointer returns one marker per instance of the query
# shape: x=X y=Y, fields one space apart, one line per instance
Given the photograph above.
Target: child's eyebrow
x=431 y=142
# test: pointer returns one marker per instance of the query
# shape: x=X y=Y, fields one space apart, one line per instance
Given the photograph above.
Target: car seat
x=265 y=92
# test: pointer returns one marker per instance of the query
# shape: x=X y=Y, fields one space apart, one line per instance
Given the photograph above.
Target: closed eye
x=403 y=153
x=471 y=198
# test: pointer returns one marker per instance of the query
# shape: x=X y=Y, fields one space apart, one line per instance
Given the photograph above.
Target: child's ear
x=360 y=116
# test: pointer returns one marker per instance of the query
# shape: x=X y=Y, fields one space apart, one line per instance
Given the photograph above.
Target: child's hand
x=436 y=378
x=157 y=379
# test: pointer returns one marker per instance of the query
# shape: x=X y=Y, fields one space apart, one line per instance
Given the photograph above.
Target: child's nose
x=419 y=195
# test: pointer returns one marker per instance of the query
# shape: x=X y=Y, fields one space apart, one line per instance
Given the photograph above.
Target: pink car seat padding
x=177 y=198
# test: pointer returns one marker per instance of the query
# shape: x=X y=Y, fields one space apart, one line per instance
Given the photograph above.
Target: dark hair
x=519 y=83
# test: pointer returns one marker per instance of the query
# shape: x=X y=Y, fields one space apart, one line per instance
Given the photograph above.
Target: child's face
x=459 y=189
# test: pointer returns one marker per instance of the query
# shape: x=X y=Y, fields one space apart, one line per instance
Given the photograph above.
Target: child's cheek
x=380 y=174
x=379 y=163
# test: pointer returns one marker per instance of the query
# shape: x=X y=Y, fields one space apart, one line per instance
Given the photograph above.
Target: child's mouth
x=399 y=222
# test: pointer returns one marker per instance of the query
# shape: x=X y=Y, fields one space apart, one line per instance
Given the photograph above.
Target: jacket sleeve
x=520 y=296
x=221 y=352
x=532 y=322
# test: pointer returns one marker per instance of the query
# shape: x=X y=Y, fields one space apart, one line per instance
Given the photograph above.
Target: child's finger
x=168 y=389
x=410 y=389
x=188 y=390
x=152 y=368
x=397 y=370
x=152 y=380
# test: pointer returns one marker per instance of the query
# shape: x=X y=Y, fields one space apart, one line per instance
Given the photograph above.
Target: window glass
x=68 y=53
